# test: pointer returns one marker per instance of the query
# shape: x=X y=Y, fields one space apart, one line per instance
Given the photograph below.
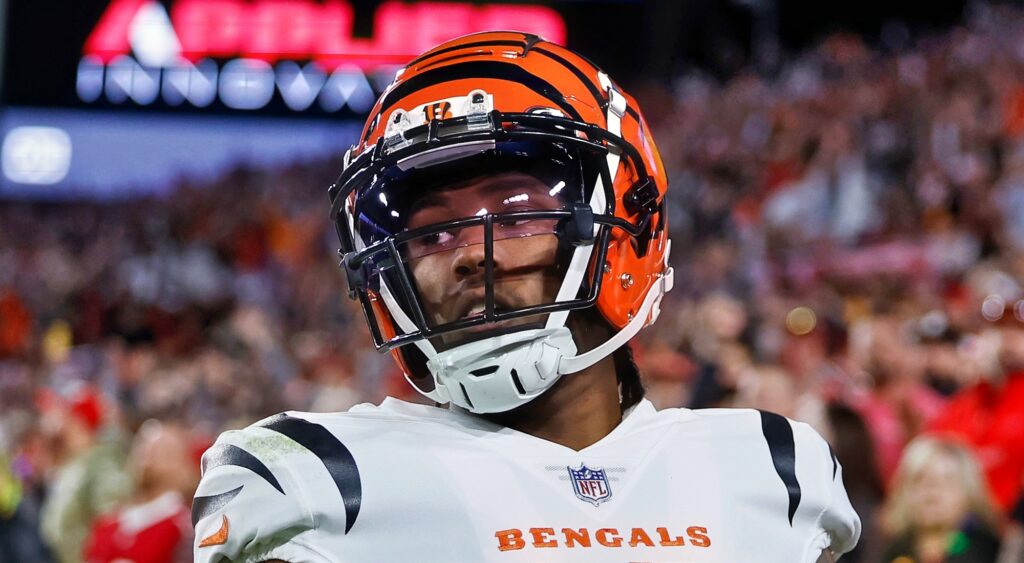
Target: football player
x=502 y=225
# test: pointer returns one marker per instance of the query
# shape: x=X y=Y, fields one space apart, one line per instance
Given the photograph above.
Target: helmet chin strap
x=500 y=373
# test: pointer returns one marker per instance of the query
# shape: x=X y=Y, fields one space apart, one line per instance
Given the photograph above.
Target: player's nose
x=469 y=261
x=470 y=258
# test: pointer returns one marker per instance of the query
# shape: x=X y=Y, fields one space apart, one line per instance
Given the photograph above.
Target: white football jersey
x=407 y=482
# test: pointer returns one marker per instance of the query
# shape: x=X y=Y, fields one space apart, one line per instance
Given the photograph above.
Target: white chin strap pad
x=482 y=376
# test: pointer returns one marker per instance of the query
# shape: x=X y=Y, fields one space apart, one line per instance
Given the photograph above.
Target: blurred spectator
x=89 y=477
x=939 y=509
x=900 y=404
x=15 y=324
x=19 y=521
x=154 y=526
x=667 y=374
x=989 y=414
x=944 y=365
x=769 y=388
x=720 y=320
x=848 y=434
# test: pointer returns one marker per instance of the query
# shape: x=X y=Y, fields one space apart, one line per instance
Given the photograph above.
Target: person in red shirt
x=989 y=414
x=155 y=526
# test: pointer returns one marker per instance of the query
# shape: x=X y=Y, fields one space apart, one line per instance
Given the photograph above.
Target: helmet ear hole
x=642 y=196
x=641 y=200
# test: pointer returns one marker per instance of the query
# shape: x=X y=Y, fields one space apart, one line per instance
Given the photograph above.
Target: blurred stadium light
x=36 y=155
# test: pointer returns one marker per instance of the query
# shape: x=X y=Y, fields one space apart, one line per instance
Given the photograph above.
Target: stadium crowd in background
x=849 y=248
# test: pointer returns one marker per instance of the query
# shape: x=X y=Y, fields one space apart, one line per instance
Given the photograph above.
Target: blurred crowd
x=849 y=247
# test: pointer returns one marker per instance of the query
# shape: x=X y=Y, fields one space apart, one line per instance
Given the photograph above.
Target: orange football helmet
x=505 y=101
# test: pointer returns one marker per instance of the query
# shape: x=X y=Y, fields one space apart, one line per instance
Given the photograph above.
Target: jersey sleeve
x=249 y=506
x=839 y=524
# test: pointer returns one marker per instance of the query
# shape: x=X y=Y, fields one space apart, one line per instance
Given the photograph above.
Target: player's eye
x=442 y=238
x=429 y=244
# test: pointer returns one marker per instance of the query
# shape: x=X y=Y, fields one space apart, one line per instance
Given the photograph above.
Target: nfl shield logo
x=590 y=485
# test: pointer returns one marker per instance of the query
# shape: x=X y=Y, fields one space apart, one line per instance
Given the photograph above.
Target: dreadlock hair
x=631 y=389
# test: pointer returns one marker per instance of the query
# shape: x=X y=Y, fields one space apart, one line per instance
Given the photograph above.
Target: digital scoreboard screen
x=244 y=54
x=115 y=98
x=316 y=57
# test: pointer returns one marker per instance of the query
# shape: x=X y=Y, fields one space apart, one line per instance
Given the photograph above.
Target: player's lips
x=472 y=302
x=474 y=307
x=481 y=330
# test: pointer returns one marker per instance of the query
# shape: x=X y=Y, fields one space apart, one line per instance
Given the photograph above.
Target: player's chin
x=487 y=330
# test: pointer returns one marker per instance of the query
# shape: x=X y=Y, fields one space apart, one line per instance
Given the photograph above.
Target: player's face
x=448 y=267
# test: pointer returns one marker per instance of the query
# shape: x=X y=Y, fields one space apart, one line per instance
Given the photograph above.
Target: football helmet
x=491 y=103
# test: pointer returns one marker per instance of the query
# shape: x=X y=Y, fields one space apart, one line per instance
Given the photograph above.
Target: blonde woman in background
x=939 y=509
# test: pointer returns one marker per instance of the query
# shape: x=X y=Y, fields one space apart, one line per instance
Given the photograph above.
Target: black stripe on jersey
x=335 y=456
x=481 y=69
x=835 y=462
x=779 y=435
x=205 y=506
x=227 y=454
